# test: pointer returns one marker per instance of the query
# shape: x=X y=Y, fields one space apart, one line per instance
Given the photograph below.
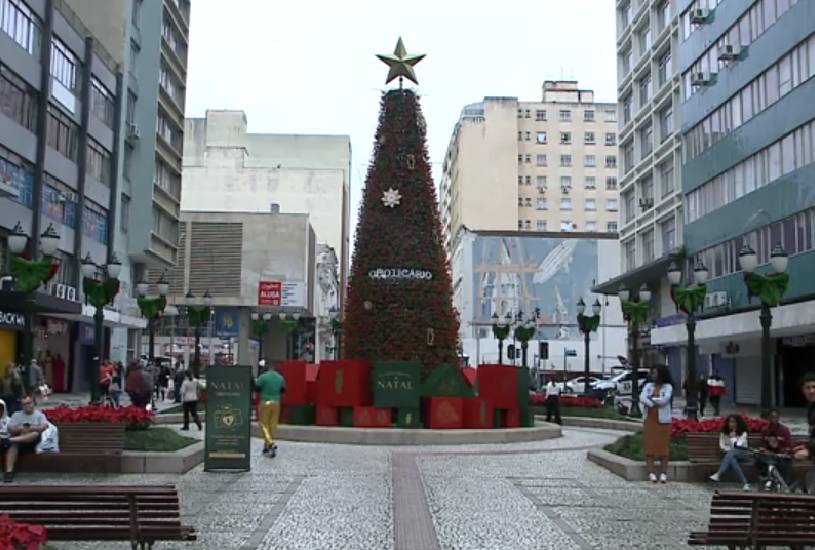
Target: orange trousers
x=268 y=418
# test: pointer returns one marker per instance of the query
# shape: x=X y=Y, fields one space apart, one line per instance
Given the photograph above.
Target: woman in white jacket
x=655 y=400
x=733 y=443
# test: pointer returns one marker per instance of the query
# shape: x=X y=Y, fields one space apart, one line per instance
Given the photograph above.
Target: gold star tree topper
x=400 y=63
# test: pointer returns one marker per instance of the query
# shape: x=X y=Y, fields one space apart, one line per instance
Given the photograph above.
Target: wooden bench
x=141 y=514
x=758 y=520
x=83 y=447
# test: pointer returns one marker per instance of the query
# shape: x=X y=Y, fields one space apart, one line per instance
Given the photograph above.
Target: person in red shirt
x=106 y=373
x=776 y=447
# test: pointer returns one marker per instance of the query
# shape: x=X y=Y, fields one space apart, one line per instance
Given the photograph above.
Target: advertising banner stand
x=227 y=436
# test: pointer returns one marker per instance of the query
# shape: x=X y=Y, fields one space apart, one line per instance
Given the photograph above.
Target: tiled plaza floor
x=519 y=496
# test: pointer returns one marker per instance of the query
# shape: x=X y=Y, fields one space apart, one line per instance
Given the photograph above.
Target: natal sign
x=226 y=444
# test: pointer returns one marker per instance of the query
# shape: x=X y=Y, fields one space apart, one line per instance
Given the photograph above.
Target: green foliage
x=100 y=293
x=631 y=446
x=590 y=323
x=636 y=312
x=501 y=332
x=152 y=308
x=288 y=325
x=769 y=288
x=156 y=439
x=30 y=274
x=524 y=334
x=198 y=315
x=260 y=327
x=690 y=298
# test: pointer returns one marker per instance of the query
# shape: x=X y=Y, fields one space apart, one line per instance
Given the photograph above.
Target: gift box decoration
x=444 y=412
x=301 y=415
x=498 y=384
x=344 y=383
x=327 y=416
x=446 y=381
x=294 y=373
x=396 y=383
x=372 y=417
x=478 y=413
x=407 y=417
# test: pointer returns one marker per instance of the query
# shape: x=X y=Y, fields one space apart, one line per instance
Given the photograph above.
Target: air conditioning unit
x=699 y=16
x=70 y=295
x=701 y=79
x=62 y=291
x=52 y=288
x=645 y=204
x=133 y=132
x=721 y=298
x=729 y=52
x=710 y=301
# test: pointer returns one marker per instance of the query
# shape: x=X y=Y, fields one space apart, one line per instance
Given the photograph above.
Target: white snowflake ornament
x=391 y=197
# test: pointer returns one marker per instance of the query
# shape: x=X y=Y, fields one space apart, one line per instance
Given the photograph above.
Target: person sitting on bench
x=776 y=447
x=25 y=428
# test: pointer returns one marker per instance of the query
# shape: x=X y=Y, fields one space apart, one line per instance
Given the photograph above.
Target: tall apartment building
x=548 y=166
x=650 y=152
x=748 y=129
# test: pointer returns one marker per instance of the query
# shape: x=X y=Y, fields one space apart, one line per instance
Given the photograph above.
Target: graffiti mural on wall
x=526 y=274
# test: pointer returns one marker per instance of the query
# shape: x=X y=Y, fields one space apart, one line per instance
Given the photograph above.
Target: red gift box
x=294 y=373
x=327 y=416
x=512 y=418
x=372 y=417
x=444 y=412
x=344 y=383
x=498 y=384
x=478 y=413
x=312 y=372
x=285 y=415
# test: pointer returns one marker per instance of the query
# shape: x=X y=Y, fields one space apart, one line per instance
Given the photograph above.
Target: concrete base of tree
x=150 y=462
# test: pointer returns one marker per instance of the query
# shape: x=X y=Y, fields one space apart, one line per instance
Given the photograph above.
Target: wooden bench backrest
x=730 y=516
x=77 y=512
x=91 y=438
x=704 y=446
x=787 y=519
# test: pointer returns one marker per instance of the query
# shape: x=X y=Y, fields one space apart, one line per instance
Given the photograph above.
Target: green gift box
x=301 y=415
x=409 y=417
x=347 y=416
x=498 y=418
x=396 y=384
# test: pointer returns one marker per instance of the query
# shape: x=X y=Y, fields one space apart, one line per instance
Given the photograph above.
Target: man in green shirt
x=271 y=386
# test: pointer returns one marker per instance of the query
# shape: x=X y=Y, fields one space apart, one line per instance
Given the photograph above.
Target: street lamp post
x=523 y=332
x=197 y=316
x=28 y=274
x=500 y=330
x=690 y=299
x=289 y=323
x=587 y=325
x=336 y=327
x=100 y=285
x=769 y=289
x=260 y=326
x=152 y=308
x=635 y=312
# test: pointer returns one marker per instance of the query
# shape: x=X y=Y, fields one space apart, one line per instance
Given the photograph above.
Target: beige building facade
x=545 y=166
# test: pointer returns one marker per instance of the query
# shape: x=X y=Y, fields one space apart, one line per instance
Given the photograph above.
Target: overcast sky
x=308 y=66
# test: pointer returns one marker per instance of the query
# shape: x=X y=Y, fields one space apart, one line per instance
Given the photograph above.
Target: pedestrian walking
x=715 y=389
x=138 y=385
x=733 y=443
x=189 y=396
x=178 y=379
x=11 y=389
x=552 y=390
x=271 y=386
x=655 y=400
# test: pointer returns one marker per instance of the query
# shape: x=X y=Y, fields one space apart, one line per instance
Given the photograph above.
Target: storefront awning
x=44 y=304
x=649 y=273
x=112 y=319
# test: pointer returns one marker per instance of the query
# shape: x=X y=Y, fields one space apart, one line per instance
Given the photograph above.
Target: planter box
x=372 y=417
x=327 y=416
x=478 y=413
x=294 y=373
x=409 y=417
x=344 y=383
x=444 y=412
x=396 y=384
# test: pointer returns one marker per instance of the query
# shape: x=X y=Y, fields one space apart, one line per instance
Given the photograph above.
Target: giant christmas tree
x=400 y=292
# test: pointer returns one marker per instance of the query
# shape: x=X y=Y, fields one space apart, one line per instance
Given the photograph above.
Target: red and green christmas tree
x=400 y=294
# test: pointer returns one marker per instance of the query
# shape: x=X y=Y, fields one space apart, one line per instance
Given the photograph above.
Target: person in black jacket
x=804 y=452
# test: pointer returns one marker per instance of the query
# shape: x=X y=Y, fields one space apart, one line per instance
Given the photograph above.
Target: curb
x=177 y=462
x=634 y=470
x=602 y=423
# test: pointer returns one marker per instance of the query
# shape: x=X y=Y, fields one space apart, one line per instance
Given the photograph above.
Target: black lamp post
x=336 y=327
x=587 y=325
x=28 y=274
x=635 y=312
x=289 y=323
x=523 y=332
x=100 y=285
x=690 y=299
x=500 y=329
x=152 y=308
x=197 y=316
x=769 y=289
x=260 y=325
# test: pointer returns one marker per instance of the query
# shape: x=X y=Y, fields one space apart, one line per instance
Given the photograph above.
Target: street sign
x=226 y=440
x=511 y=351
x=269 y=293
x=570 y=352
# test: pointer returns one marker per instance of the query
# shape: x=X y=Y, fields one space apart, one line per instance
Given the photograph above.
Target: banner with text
x=226 y=442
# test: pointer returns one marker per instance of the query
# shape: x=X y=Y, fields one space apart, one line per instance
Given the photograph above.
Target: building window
x=611 y=115
x=18 y=100
x=591 y=226
x=646 y=140
x=664 y=68
x=666 y=177
x=102 y=102
x=19 y=22
x=95 y=222
x=526 y=113
x=528 y=180
x=541 y=137
x=540 y=115
x=628 y=201
x=625 y=62
x=541 y=224
x=527 y=225
x=520 y=159
x=520 y=115
x=588 y=116
x=58 y=201
x=164 y=226
x=130 y=114
x=62 y=132
x=64 y=64
x=173 y=39
x=540 y=160
x=627 y=103
x=589 y=182
x=666 y=126
x=565 y=115
x=565 y=138
x=668 y=230
x=611 y=161
x=566 y=203
x=588 y=138
x=589 y=161
x=98 y=162
x=611 y=227
x=520 y=180
x=171 y=84
x=528 y=159
x=647 y=188
x=565 y=160
x=520 y=223
x=663 y=15
x=611 y=138
x=565 y=183
x=611 y=205
x=644 y=38
x=566 y=226
x=527 y=201
x=628 y=156
x=644 y=86
x=167 y=179
x=124 y=212
x=520 y=201
x=543 y=204
x=170 y=133
x=629 y=253
x=648 y=247
x=591 y=204
x=136 y=12
x=611 y=183
x=541 y=182
x=527 y=136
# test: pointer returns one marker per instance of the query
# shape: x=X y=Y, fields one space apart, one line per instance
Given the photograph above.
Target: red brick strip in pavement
x=413 y=527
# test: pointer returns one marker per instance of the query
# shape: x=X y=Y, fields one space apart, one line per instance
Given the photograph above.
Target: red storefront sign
x=269 y=293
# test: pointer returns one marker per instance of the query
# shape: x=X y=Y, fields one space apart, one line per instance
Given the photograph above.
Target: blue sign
x=227 y=321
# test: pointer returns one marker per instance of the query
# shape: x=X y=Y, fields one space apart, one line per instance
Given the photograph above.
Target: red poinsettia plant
x=136 y=418
x=20 y=536
x=681 y=426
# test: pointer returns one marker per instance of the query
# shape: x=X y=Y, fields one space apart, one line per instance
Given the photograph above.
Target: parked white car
x=620 y=384
x=577 y=385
